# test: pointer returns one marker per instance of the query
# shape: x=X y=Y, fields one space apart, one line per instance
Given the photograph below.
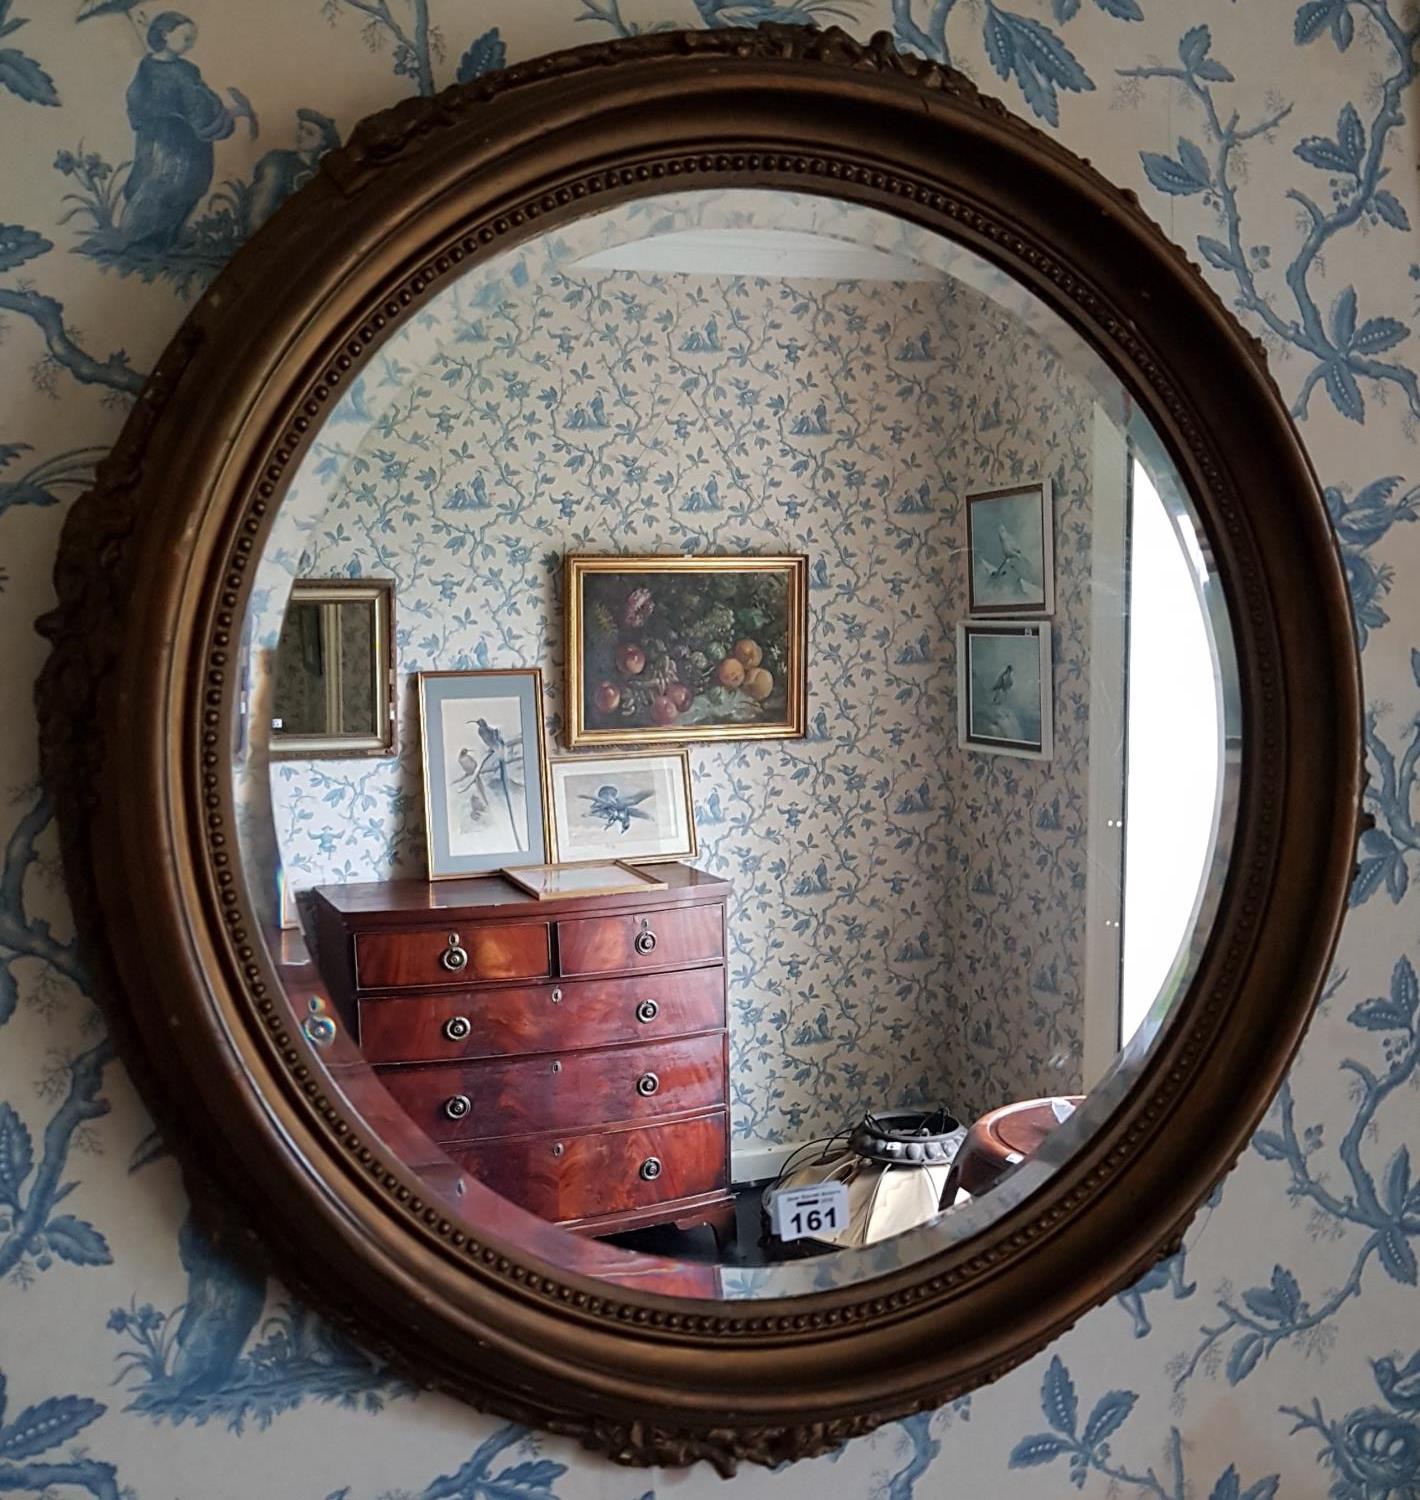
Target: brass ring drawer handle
x=647 y=1084
x=455 y=956
x=645 y=942
x=457 y=1106
x=457 y=1028
x=647 y=1011
x=651 y=1168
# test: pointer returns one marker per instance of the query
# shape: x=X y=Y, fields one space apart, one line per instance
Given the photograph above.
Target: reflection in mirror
x=902 y=688
x=333 y=672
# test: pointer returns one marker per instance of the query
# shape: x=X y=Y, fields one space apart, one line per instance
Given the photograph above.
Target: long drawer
x=566 y=1091
x=609 y=1171
x=541 y=1018
x=642 y=942
x=423 y=956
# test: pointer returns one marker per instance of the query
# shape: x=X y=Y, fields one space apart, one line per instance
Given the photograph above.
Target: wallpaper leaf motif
x=20 y=73
x=42 y=1427
x=1089 y=1452
x=1379 y=1201
x=1342 y=353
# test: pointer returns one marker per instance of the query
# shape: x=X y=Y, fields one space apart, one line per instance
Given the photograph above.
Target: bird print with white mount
x=502 y=769
x=615 y=810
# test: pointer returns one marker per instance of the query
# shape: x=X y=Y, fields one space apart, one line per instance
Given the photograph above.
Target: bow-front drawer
x=570 y=1177
x=447 y=955
x=650 y=940
x=563 y=1091
x=516 y=1019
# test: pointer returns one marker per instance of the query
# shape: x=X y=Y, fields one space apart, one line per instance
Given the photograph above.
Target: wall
x=907 y=923
x=1277 y=1358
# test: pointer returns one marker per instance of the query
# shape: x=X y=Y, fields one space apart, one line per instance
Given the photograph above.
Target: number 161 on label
x=809 y=1212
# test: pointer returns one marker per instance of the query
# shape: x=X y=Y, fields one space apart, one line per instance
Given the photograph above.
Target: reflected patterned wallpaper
x=1277 y=1358
x=907 y=925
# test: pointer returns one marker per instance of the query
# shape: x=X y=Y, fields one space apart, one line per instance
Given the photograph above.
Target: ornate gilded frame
x=332 y=592
x=679 y=753
x=141 y=691
x=579 y=735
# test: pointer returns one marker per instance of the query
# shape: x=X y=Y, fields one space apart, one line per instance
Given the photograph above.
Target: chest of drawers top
x=405 y=936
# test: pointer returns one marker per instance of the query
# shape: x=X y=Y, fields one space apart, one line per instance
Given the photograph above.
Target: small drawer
x=570 y=1177
x=652 y=940
x=516 y=1019
x=451 y=955
x=562 y=1091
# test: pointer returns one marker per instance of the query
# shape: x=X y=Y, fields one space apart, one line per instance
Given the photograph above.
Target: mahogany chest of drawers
x=571 y=1054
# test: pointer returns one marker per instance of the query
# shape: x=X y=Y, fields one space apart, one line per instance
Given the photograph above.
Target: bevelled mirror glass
x=333 y=670
x=769 y=518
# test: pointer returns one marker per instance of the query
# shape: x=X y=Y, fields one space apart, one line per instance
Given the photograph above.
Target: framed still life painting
x=635 y=808
x=666 y=649
x=485 y=771
x=1010 y=549
x=1005 y=688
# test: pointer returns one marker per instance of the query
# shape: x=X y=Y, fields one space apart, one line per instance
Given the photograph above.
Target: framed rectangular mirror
x=334 y=678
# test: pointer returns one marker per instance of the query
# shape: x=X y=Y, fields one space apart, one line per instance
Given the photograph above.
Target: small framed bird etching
x=1005 y=687
x=1010 y=549
x=634 y=807
x=486 y=803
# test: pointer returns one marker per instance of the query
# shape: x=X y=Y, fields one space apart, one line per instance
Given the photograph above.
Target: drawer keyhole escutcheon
x=558 y=1149
x=457 y=1106
x=455 y=957
x=457 y=1028
x=647 y=1011
x=557 y=1067
x=647 y=1084
x=645 y=939
x=651 y=1168
x=557 y=996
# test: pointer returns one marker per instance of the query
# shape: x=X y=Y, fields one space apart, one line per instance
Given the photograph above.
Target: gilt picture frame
x=676 y=649
x=586 y=879
x=634 y=807
x=1005 y=688
x=1010 y=551
x=483 y=746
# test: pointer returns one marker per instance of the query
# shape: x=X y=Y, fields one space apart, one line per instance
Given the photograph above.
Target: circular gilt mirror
x=739 y=733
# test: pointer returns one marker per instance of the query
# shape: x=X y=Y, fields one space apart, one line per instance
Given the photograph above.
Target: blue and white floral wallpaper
x=908 y=918
x=1280 y=1355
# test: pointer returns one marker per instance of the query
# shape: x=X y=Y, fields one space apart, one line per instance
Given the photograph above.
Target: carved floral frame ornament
x=141 y=689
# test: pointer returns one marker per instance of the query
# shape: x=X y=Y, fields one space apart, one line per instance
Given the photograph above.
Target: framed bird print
x=632 y=808
x=1010 y=551
x=1005 y=687
x=486 y=805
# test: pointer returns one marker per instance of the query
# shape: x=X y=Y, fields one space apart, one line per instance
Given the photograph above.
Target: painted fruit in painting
x=685 y=650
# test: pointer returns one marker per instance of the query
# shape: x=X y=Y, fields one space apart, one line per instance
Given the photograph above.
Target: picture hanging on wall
x=1010 y=549
x=485 y=771
x=1004 y=687
x=636 y=808
x=665 y=649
